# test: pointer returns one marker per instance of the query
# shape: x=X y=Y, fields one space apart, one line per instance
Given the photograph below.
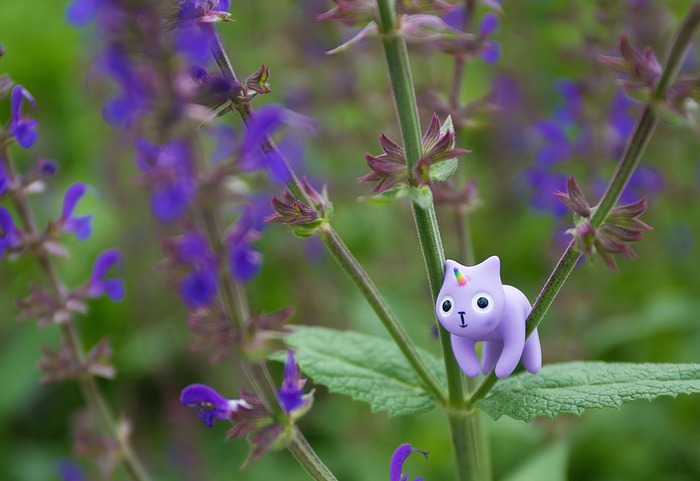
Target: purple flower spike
x=491 y=52
x=210 y=404
x=291 y=394
x=79 y=225
x=9 y=237
x=98 y=285
x=23 y=130
x=397 y=460
x=81 y=12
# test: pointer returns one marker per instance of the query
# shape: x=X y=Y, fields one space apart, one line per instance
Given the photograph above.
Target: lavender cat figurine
x=473 y=305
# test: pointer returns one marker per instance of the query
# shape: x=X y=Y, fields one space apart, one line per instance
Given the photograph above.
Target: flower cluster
x=248 y=415
x=620 y=228
x=389 y=168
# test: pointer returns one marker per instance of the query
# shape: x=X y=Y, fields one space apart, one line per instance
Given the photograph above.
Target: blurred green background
x=648 y=312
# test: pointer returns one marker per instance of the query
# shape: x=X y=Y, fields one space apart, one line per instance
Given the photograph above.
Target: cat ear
x=493 y=264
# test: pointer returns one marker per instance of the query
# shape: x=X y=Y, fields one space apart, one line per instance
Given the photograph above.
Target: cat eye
x=447 y=305
x=482 y=302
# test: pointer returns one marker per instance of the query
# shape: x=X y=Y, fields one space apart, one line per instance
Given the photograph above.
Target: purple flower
x=244 y=260
x=23 y=130
x=79 y=225
x=134 y=98
x=170 y=200
x=645 y=182
x=97 y=284
x=544 y=185
x=69 y=470
x=267 y=121
x=398 y=459
x=455 y=18
x=210 y=404
x=194 y=44
x=199 y=287
x=555 y=146
x=570 y=110
x=191 y=12
x=9 y=236
x=4 y=180
x=291 y=393
x=488 y=25
x=79 y=13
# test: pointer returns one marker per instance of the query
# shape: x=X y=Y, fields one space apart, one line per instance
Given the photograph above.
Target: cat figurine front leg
x=475 y=306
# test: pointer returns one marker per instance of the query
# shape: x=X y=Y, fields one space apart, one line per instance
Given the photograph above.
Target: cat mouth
x=461 y=318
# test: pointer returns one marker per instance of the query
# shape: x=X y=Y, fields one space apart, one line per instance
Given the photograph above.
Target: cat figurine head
x=471 y=301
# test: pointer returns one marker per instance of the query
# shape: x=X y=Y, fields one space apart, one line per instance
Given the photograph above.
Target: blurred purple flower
x=98 y=285
x=199 y=287
x=488 y=25
x=23 y=130
x=191 y=12
x=544 y=185
x=78 y=225
x=645 y=182
x=244 y=260
x=267 y=121
x=170 y=200
x=291 y=393
x=194 y=44
x=4 y=180
x=79 y=13
x=398 y=459
x=570 y=110
x=134 y=98
x=9 y=236
x=69 y=470
x=226 y=141
x=622 y=122
x=209 y=403
x=555 y=146
x=455 y=18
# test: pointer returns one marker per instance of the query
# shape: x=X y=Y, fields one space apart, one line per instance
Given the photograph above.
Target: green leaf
x=421 y=196
x=571 y=388
x=366 y=368
x=386 y=197
x=444 y=169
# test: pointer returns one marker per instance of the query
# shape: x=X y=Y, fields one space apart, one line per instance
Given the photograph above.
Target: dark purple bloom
x=199 y=287
x=244 y=260
x=491 y=52
x=79 y=225
x=146 y=154
x=98 y=284
x=210 y=404
x=69 y=470
x=291 y=394
x=398 y=459
x=23 y=130
x=9 y=236
x=192 y=248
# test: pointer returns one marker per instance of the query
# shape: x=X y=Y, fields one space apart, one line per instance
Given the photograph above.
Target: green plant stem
x=643 y=131
x=336 y=245
x=87 y=383
x=469 y=441
x=352 y=267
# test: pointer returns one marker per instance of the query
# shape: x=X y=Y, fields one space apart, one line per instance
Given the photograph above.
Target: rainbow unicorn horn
x=461 y=278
